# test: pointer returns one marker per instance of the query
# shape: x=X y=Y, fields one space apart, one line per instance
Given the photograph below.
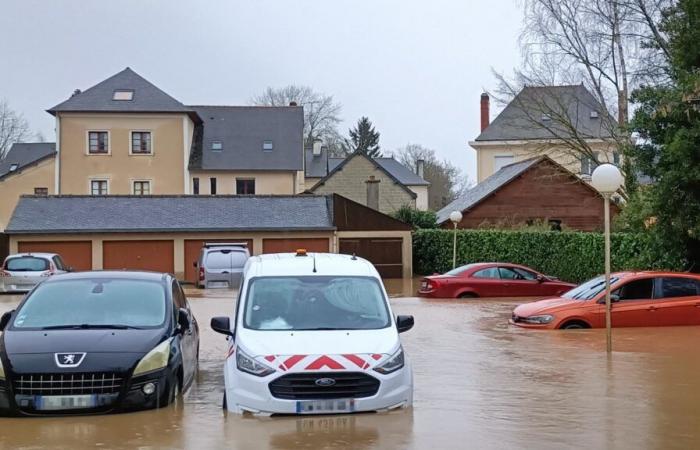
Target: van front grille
x=303 y=386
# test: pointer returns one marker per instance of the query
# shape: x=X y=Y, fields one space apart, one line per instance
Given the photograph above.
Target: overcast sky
x=416 y=68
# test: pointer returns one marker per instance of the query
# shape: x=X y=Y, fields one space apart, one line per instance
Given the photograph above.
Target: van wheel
x=467 y=295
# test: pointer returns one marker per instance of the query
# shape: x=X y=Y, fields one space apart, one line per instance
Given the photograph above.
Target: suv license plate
x=58 y=402
x=325 y=406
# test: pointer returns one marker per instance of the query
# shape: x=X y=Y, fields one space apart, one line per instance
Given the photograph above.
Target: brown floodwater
x=479 y=383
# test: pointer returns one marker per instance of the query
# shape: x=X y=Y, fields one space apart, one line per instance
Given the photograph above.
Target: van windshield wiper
x=322 y=329
x=88 y=326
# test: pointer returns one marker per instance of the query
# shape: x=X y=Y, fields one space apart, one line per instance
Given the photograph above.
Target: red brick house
x=536 y=189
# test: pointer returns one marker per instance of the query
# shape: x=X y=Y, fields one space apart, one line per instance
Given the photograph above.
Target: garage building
x=165 y=233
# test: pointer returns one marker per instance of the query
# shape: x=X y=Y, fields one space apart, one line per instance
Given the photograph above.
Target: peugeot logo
x=68 y=360
x=325 y=382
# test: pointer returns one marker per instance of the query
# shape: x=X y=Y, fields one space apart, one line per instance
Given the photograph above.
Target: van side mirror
x=5 y=319
x=183 y=320
x=404 y=323
x=221 y=325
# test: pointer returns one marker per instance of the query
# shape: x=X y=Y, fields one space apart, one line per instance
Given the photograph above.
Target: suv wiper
x=87 y=326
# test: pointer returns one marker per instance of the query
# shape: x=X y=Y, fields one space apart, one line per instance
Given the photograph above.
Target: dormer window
x=13 y=167
x=123 y=95
x=217 y=146
x=268 y=146
x=594 y=114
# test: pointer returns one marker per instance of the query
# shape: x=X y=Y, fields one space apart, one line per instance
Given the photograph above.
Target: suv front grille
x=302 y=386
x=68 y=383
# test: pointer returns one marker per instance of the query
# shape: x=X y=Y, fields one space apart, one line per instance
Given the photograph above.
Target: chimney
x=485 y=117
x=420 y=167
x=373 y=192
x=317 y=147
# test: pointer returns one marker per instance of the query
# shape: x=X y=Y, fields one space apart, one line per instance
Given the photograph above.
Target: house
x=531 y=190
x=544 y=121
x=165 y=232
x=383 y=184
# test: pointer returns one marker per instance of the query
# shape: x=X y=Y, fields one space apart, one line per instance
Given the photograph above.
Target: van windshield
x=315 y=303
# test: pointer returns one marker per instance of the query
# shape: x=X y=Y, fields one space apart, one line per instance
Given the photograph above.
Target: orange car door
x=635 y=305
x=678 y=302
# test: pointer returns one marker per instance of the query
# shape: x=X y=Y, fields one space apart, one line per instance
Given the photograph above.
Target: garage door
x=76 y=254
x=138 y=255
x=385 y=253
x=291 y=245
x=192 y=248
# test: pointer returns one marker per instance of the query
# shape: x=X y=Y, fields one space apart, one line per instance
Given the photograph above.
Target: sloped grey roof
x=320 y=166
x=146 y=98
x=316 y=166
x=487 y=187
x=24 y=154
x=333 y=163
x=242 y=131
x=401 y=172
x=92 y=214
x=522 y=118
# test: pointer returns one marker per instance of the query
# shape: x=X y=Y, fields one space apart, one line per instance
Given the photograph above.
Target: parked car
x=639 y=299
x=220 y=265
x=314 y=334
x=95 y=342
x=491 y=280
x=22 y=271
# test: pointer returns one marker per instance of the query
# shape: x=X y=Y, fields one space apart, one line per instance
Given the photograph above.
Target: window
x=636 y=290
x=142 y=188
x=546 y=117
x=526 y=274
x=58 y=262
x=41 y=191
x=195 y=186
x=212 y=186
x=245 y=187
x=678 y=287
x=587 y=164
x=13 y=167
x=589 y=289
x=98 y=142
x=594 y=114
x=508 y=274
x=141 y=142
x=491 y=272
x=26 y=264
x=98 y=187
x=268 y=146
x=501 y=161
x=123 y=95
x=218 y=260
x=217 y=146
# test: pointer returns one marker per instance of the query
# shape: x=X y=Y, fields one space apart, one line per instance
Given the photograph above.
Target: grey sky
x=415 y=68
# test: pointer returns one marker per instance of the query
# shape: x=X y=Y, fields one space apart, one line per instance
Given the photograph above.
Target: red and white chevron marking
x=306 y=363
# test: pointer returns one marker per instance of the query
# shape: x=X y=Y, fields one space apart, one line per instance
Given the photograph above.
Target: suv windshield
x=315 y=303
x=93 y=303
x=26 y=264
x=589 y=289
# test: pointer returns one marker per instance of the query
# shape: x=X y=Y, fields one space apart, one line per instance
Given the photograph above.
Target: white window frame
x=91 y=180
x=139 y=180
x=87 y=143
x=131 y=143
x=130 y=91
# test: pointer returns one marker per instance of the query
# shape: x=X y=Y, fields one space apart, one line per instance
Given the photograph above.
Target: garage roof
x=139 y=214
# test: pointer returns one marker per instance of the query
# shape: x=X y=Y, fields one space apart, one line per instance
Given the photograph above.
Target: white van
x=314 y=334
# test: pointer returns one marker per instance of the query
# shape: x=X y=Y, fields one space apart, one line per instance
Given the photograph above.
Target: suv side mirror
x=183 y=320
x=404 y=323
x=221 y=325
x=5 y=319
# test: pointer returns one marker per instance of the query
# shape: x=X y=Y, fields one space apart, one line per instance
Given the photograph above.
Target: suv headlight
x=394 y=363
x=155 y=359
x=247 y=364
x=538 y=320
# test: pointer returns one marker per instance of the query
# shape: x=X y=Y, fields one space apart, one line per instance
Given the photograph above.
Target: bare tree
x=321 y=111
x=447 y=181
x=13 y=128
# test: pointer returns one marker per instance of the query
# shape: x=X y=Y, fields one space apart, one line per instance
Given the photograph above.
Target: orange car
x=639 y=299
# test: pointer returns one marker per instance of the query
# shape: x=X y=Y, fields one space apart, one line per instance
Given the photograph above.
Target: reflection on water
x=479 y=384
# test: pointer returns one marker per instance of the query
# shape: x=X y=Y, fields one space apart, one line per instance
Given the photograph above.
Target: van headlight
x=247 y=364
x=394 y=363
x=155 y=359
x=537 y=320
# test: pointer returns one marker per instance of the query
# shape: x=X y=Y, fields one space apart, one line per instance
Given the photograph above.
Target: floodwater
x=479 y=383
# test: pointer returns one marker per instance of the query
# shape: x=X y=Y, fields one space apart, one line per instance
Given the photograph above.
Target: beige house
x=539 y=121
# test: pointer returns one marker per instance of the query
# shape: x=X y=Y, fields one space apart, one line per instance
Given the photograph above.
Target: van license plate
x=325 y=406
x=59 y=402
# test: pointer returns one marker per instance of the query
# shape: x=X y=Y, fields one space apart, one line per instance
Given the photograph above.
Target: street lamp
x=607 y=179
x=455 y=217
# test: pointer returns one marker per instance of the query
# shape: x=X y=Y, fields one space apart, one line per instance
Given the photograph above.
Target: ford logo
x=325 y=382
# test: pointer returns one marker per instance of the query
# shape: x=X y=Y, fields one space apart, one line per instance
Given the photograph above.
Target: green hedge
x=571 y=256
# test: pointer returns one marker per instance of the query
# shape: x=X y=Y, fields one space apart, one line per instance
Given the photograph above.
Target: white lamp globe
x=456 y=217
x=607 y=178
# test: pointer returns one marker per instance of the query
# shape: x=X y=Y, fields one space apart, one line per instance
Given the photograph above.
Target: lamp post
x=455 y=218
x=607 y=179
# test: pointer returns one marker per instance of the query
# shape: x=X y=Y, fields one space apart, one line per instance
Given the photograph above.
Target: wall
x=422 y=197
x=24 y=182
x=279 y=183
x=350 y=182
x=165 y=167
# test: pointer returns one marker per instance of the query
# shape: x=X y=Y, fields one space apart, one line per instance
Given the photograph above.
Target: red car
x=491 y=280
